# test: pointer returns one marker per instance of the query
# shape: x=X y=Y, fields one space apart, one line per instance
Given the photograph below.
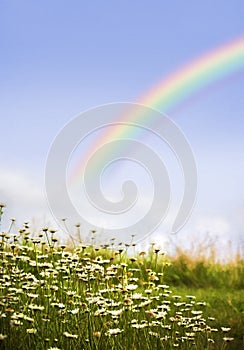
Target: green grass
x=226 y=306
x=205 y=273
x=221 y=286
x=104 y=298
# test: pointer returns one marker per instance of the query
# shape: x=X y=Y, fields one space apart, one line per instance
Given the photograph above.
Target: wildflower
x=188 y=305
x=36 y=240
x=150 y=313
x=153 y=334
x=176 y=296
x=105 y=262
x=194 y=312
x=74 y=311
x=71 y=293
x=35 y=307
x=16 y=323
x=114 y=331
x=29 y=319
x=226 y=339
x=128 y=301
x=116 y=312
x=163 y=286
x=32 y=295
x=145 y=303
x=225 y=329
x=2 y=336
x=165 y=338
x=192 y=334
x=59 y=305
x=68 y=335
x=164 y=307
x=138 y=296
x=161 y=314
x=139 y=326
x=131 y=287
x=166 y=326
x=148 y=291
x=179 y=304
x=100 y=312
x=31 y=330
x=52 y=230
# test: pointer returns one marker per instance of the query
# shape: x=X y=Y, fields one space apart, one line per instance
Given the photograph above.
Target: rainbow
x=176 y=88
x=209 y=68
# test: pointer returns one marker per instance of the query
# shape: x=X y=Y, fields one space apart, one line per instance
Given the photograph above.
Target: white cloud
x=25 y=199
x=213 y=224
x=23 y=196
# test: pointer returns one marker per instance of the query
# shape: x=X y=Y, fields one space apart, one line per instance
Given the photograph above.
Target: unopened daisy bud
x=96 y=334
x=128 y=301
x=142 y=253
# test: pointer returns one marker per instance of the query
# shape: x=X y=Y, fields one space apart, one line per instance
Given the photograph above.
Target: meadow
x=56 y=296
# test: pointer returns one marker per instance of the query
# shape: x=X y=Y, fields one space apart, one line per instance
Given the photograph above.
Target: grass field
x=89 y=297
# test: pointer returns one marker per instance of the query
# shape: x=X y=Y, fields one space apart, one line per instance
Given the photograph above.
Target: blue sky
x=59 y=58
